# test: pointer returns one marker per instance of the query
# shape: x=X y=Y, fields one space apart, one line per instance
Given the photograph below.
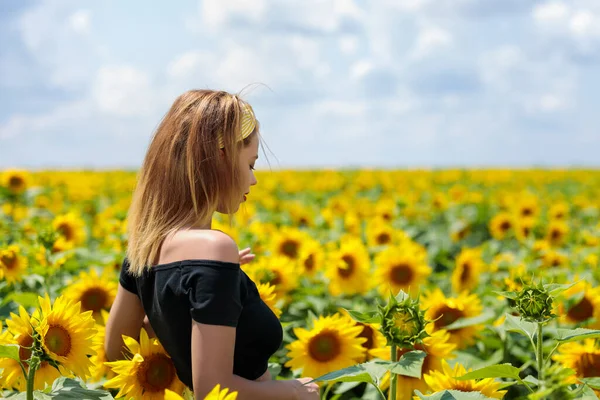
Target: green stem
x=33 y=366
x=540 y=355
x=326 y=392
x=394 y=377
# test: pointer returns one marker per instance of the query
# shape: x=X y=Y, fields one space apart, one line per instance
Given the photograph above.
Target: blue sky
x=344 y=83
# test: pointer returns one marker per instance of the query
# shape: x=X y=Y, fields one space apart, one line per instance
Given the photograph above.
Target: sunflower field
x=413 y=284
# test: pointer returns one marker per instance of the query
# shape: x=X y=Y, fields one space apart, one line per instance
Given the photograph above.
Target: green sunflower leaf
x=492 y=371
x=594 y=383
x=410 y=364
x=356 y=373
x=555 y=288
x=66 y=388
x=25 y=299
x=453 y=395
x=365 y=318
x=515 y=324
x=10 y=351
x=573 y=335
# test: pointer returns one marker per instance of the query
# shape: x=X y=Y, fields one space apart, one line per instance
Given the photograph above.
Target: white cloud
x=348 y=44
x=215 y=13
x=123 y=91
x=550 y=102
x=429 y=40
x=584 y=23
x=188 y=64
x=361 y=68
x=551 y=12
x=80 y=22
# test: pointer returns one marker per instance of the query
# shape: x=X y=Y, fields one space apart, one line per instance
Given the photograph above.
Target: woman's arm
x=126 y=318
x=212 y=363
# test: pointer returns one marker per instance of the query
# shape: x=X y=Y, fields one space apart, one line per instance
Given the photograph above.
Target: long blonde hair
x=184 y=178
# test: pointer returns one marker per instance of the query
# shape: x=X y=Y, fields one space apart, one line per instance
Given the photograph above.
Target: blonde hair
x=183 y=178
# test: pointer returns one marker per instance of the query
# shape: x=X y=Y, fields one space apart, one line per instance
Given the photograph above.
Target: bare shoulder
x=202 y=244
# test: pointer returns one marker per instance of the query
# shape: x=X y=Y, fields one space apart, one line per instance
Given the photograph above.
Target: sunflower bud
x=534 y=303
x=403 y=322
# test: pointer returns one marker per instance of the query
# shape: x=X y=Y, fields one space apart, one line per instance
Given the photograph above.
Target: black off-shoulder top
x=210 y=292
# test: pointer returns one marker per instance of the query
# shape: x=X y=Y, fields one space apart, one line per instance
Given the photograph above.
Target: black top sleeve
x=213 y=290
x=126 y=279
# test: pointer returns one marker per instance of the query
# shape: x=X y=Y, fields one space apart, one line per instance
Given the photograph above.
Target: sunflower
x=444 y=380
x=501 y=225
x=375 y=339
x=218 y=394
x=301 y=215
x=460 y=231
x=466 y=272
x=524 y=228
x=333 y=343
x=581 y=303
x=349 y=267
x=12 y=264
x=16 y=181
x=20 y=331
x=552 y=259
x=67 y=334
x=444 y=311
x=527 y=206
x=437 y=347
x=96 y=293
x=312 y=258
x=559 y=211
x=71 y=230
x=583 y=358
x=148 y=374
x=556 y=233
x=288 y=242
x=352 y=223
x=279 y=271
x=400 y=268
x=380 y=232
x=268 y=296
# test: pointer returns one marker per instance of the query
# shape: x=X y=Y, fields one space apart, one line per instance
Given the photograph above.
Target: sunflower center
x=466 y=271
x=526 y=230
x=555 y=234
x=303 y=221
x=447 y=315
x=66 y=231
x=581 y=311
x=289 y=248
x=589 y=365
x=349 y=267
x=58 y=340
x=309 y=263
x=94 y=299
x=16 y=182
x=9 y=260
x=384 y=238
x=401 y=274
x=367 y=333
x=526 y=212
x=156 y=373
x=324 y=347
x=505 y=225
x=276 y=278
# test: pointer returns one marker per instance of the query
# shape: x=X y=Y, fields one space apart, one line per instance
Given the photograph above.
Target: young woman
x=186 y=278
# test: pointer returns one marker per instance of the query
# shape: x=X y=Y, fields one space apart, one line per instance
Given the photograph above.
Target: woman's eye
x=252 y=167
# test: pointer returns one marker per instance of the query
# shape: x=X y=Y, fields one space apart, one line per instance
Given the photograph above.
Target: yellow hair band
x=248 y=124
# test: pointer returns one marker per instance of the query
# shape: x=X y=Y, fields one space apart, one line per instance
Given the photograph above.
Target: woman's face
x=247 y=159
